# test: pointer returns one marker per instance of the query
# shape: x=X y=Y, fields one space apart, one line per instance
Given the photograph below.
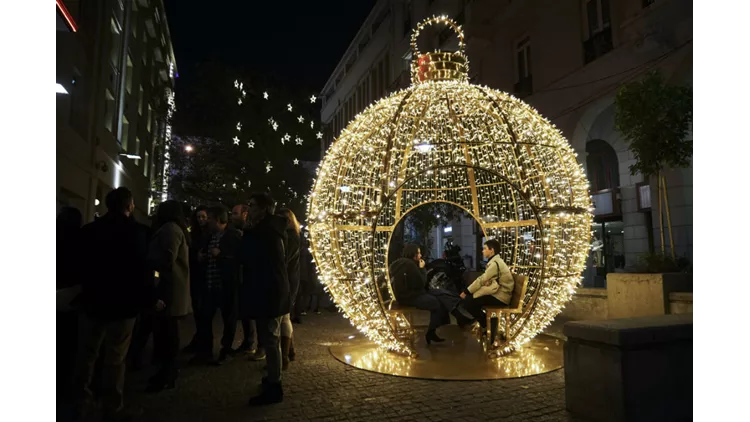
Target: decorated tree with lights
x=655 y=118
x=254 y=136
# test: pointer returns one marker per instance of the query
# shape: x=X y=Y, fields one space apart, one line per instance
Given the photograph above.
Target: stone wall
x=587 y=304
x=681 y=303
x=591 y=304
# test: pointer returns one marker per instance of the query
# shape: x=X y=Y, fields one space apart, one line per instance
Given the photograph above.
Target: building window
x=116 y=47
x=602 y=166
x=598 y=30
x=129 y=75
x=109 y=110
x=137 y=150
x=140 y=101
x=523 y=84
x=125 y=133
x=407 y=18
x=148 y=120
x=145 y=164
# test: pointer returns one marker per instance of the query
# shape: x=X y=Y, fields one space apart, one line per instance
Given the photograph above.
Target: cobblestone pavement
x=319 y=388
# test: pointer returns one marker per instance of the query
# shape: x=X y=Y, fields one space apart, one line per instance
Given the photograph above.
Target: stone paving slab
x=319 y=388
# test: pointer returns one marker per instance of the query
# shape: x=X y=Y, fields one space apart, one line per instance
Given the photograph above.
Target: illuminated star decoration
x=236 y=84
x=301 y=119
x=319 y=135
x=275 y=126
x=268 y=166
x=287 y=137
x=298 y=140
x=236 y=140
x=312 y=99
x=289 y=106
x=244 y=93
x=249 y=183
x=239 y=126
x=251 y=144
x=241 y=85
x=234 y=185
x=265 y=95
x=296 y=162
x=239 y=101
x=312 y=124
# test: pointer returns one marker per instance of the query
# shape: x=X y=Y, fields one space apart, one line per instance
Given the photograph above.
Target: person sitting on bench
x=493 y=288
x=409 y=282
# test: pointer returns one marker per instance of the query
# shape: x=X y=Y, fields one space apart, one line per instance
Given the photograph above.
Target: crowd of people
x=138 y=282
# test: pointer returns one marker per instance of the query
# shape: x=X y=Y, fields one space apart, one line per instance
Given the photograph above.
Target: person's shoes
x=432 y=336
x=224 y=355
x=124 y=415
x=259 y=355
x=163 y=380
x=201 y=360
x=271 y=393
x=191 y=348
x=317 y=312
x=246 y=346
x=303 y=313
x=462 y=320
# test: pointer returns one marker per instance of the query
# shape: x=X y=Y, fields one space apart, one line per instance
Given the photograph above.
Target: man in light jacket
x=493 y=288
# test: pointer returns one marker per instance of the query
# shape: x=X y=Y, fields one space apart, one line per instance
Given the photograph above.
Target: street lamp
x=188 y=148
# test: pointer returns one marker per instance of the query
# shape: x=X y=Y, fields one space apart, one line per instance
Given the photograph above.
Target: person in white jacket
x=493 y=288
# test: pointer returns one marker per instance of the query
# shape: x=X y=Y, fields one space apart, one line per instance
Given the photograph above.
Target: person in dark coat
x=221 y=287
x=265 y=287
x=199 y=237
x=239 y=221
x=116 y=286
x=409 y=282
x=68 y=238
x=292 y=267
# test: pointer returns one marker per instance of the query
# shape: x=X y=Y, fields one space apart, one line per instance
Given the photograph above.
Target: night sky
x=299 y=41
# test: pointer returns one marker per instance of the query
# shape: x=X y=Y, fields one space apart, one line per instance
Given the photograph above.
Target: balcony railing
x=598 y=45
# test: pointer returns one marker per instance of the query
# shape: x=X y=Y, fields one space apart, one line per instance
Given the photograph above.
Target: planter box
x=633 y=369
x=637 y=295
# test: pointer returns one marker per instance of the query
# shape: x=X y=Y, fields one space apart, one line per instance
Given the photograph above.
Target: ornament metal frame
x=543 y=187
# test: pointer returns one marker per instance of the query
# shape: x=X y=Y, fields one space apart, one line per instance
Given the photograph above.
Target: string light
x=446 y=140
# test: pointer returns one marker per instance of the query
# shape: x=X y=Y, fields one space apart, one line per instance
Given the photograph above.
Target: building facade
x=117 y=71
x=564 y=57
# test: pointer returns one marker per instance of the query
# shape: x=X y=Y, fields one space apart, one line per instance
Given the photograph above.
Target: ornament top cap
x=439 y=65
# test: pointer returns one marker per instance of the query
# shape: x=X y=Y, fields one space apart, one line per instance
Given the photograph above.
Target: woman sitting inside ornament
x=493 y=288
x=409 y=282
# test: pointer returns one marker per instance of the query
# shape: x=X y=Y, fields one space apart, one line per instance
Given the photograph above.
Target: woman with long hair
x=292 y=267
x=169 y=256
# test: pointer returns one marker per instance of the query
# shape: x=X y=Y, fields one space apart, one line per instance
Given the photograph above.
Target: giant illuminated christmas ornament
x=446 y=140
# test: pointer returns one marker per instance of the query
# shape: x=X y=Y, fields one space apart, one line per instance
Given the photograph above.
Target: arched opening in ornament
x=450 y=241
x=496 y=202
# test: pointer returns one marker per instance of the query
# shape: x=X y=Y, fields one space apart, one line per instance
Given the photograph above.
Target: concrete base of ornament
x=633 y=369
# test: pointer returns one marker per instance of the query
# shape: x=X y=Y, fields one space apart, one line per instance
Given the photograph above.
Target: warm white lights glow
x=446 y=140
x=61 y=89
